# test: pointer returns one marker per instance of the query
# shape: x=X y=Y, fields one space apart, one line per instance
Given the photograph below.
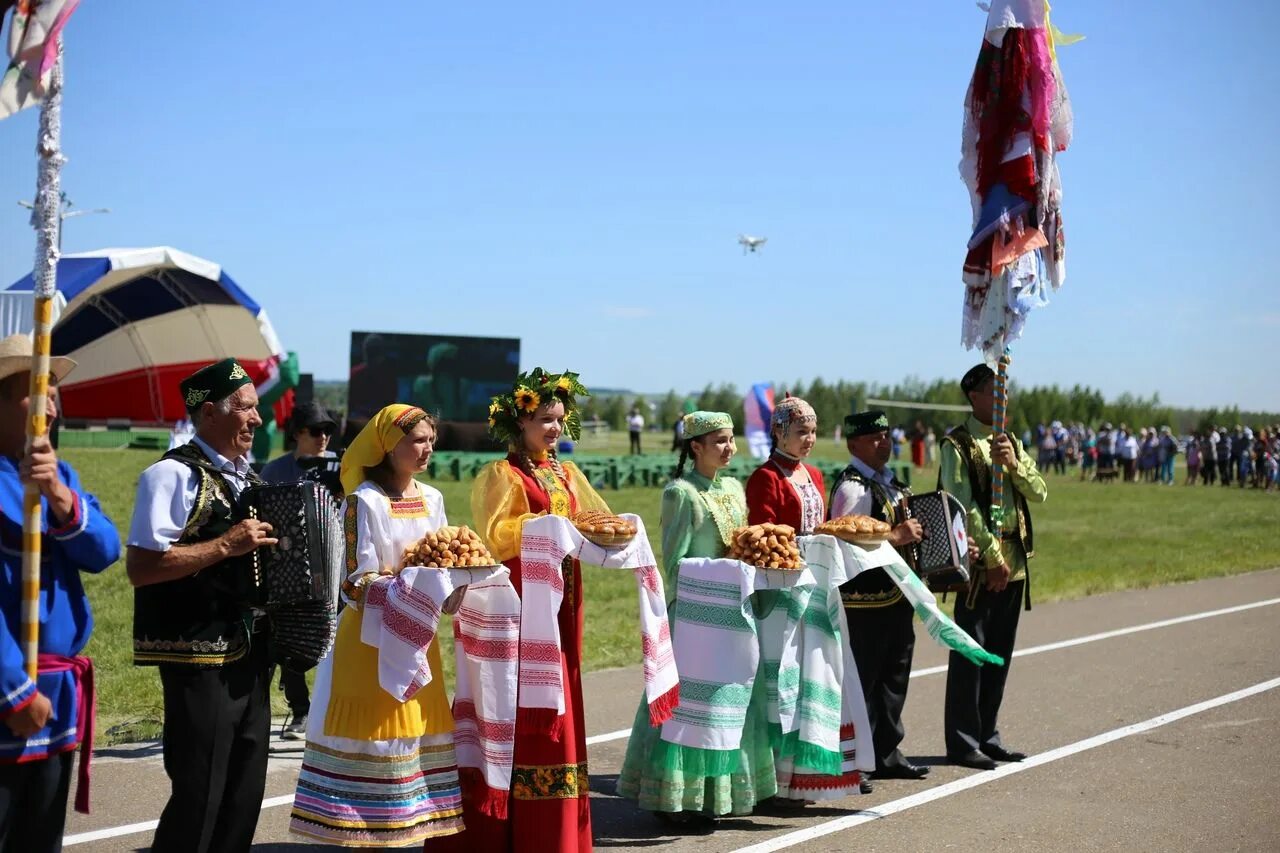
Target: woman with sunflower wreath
x=548 y=808
x=686 y=785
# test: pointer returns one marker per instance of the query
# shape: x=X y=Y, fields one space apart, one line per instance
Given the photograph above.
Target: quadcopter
x=749 y=243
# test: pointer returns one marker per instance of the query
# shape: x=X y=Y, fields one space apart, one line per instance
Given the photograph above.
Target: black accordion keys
x=298 y=578
x=941 y=559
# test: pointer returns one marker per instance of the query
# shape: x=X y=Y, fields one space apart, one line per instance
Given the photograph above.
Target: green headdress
x=700 y=423
x=532 y=390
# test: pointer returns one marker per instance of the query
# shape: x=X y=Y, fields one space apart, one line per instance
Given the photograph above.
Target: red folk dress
x=771 y=497
x=548 y=810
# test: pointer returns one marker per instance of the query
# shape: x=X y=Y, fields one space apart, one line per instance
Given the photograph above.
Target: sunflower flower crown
x=530 y=391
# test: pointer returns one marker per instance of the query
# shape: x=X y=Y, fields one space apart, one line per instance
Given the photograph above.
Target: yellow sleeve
x=499 y=507
x=588 y=497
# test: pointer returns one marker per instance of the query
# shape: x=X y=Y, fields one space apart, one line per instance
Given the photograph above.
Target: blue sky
x=575 y=174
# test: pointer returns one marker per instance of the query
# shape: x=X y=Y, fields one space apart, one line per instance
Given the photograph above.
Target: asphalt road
x=1159 y=738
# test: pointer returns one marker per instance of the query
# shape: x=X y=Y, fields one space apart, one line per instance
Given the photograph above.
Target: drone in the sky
x=749 y=243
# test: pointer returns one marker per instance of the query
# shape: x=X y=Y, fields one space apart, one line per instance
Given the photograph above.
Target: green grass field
x=1090 y=538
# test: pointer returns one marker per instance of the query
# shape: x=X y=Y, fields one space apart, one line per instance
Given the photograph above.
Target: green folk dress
x=698 y=515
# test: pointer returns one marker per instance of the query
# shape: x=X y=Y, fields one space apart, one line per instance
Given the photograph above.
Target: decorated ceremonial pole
x=46 y=219
x=999 y=426
x=1017 y=120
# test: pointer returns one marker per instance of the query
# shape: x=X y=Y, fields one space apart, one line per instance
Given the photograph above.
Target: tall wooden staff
x=46 y=219
x=999 y=426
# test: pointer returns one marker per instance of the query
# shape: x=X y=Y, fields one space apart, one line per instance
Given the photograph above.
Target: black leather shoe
x=999 y=753
x=865 y=785
x=905 y=770
x=973 y=759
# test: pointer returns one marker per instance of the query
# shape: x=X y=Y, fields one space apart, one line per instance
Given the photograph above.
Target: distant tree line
x=1028 y=406
x=833 y=400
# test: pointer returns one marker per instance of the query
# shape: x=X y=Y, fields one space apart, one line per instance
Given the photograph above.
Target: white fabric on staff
x=718 y=654
x=544 y=544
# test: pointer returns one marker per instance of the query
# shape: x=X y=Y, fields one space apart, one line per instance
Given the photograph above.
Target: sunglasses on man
x=317 y=431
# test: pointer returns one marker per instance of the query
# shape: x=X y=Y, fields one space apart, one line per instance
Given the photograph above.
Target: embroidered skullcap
x=976 y=377
x=701 y=423
x=792 y=410
x=210 y=384
x=865 y=423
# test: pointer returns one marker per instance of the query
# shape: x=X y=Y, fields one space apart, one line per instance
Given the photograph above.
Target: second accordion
x=941 y=559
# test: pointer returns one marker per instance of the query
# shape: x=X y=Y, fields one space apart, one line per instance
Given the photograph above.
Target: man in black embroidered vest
x=1000 y=585
x=194 y=618
x=880 y=630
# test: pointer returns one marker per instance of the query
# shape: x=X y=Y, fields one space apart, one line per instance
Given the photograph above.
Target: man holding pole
x=989 y=612
x=45 y=718
x=189 y=562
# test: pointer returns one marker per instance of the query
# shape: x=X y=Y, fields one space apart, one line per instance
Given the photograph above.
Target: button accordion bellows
x=299 y=577
x=941 y=559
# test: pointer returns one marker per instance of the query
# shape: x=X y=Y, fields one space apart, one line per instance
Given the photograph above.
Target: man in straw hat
x=1000 y=585
x=188 y=560
x=45 y=719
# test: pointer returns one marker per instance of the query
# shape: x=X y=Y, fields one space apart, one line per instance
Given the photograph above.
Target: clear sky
x=576 y=174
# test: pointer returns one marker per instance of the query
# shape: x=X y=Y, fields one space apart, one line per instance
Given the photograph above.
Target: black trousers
x=33 y=804
x=1224 y=471
x=296 y=694
x=216 y=729
x=974 y=692
x=635 y=442
x=883 y=643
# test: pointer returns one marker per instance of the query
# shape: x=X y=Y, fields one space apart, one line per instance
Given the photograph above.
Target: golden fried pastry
x=448 y=548
x=766 y=546
x=855 y=528
x=604 y=528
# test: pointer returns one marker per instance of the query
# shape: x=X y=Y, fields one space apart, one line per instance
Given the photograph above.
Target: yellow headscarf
x=378 y=438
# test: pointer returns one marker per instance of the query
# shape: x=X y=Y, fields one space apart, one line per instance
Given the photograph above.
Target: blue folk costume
x=86 y=542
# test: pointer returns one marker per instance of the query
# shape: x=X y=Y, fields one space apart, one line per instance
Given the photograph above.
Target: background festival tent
x=757 y=409
x=138 y=321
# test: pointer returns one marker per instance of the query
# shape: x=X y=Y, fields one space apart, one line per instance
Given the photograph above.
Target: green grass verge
x=1090 y=538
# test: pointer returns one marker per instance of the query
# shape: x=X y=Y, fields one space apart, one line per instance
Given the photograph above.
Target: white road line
x=608 y=736
x=1048 y=647
x=148 y=825
x=830 y=827
x=620 y=734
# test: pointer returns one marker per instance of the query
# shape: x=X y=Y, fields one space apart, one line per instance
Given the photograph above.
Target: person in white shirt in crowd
x=1127 y=453
x=635 y=426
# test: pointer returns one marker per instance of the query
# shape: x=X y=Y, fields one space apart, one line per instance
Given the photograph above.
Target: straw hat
x=15 y=357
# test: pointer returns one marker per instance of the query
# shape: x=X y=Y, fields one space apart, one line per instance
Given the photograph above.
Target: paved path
x=1159 y=735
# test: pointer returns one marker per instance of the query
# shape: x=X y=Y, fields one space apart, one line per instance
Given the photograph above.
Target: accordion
x=941 y=559
x=298 y=578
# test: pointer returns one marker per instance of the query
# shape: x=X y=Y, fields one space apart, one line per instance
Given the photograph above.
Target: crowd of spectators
x=1240 y=456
